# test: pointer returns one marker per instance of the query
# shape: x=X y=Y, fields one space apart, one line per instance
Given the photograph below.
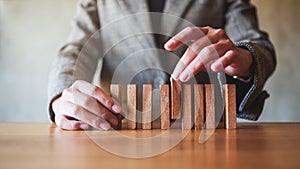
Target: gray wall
x=281 y=20
x=31 y=32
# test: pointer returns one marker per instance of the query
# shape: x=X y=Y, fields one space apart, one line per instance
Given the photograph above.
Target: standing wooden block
x=187 y=107
x=210 y=106
x=131 y=106
x=175 y=99
x=164 y=107
x=198 y=106
x=147 y=107
x=230 y=106
x=156 y=115
x=115 y=91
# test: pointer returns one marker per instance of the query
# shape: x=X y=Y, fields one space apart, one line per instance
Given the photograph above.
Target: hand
x=210 y=50
x=83 y=105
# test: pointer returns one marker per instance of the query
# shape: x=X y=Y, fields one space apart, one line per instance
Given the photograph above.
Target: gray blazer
x=115 y=31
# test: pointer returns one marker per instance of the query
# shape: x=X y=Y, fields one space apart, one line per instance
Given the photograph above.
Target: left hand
x=211 y=50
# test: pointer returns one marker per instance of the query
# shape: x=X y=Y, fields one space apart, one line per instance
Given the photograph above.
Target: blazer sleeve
x=242 y=27
x=71 y=62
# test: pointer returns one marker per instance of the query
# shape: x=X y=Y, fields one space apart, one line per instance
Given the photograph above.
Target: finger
x=230 y=68
x=64 y=123
x=98 y=94
x=208 y=65
x=186 y=35
x=90 y=104
x=189 y=55
x=85 y=116
x=223 y=61
x=207 y=54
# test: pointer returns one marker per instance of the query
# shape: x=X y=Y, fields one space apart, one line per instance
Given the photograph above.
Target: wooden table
x=42 y=145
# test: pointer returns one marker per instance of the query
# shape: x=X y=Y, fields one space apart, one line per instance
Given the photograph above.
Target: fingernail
x=175 y=76
x=84 y=126
x=169 y=44
x=116 y=108
x=113 y=121
x=105 y=126
x=184 y=76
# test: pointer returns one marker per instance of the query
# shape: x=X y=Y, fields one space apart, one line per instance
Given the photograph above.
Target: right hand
x=84 y=105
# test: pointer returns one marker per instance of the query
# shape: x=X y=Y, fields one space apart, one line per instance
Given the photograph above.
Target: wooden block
x=175 y=124
x=115 y=91
x=156 y=123
x=187 y=107
x=131 y=106
x=198 y=106
x=175 y=99
x=147 y=107
x=156 y=109
x=210 y=106
x=230 y=106
x=164 y=107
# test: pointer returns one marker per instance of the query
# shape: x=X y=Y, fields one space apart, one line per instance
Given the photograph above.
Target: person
x=245 y=55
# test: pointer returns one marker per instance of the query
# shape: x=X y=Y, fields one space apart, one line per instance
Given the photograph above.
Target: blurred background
x=32 y=31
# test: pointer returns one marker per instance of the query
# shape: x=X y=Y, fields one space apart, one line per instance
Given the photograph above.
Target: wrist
x=248 y=63
x=246 y=50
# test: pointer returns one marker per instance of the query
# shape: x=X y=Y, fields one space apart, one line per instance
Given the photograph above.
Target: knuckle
x=226 y=41
x=96 y=122
x=215 y=47
x=95 y=90
x=102 y=111
x=225 y=60
x=75 y=84
x=208 y=27
x=191 y=50
x=66 y=92
x=220 y=32
x=76 y=110
x=87 y=101
x=106 y=114
x=233 y=53
x=109 y=102
x=194 y=68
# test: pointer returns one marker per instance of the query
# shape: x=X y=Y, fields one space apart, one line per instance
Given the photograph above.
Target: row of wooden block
x=186 y=106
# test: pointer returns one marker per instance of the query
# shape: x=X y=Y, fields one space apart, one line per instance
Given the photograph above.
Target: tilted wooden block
x=147 y=107
x=175 y=99
x=164 y=107
x=187 y=107
x=131 y=106
x=156 y=109
x=198 y=106
x=230 y=106
x=210 y=106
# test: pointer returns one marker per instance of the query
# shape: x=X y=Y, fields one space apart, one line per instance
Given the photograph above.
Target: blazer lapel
x=177 y=8
x=142 y=23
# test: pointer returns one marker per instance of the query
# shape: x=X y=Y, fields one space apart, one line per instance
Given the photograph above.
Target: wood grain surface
x=256 y=145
